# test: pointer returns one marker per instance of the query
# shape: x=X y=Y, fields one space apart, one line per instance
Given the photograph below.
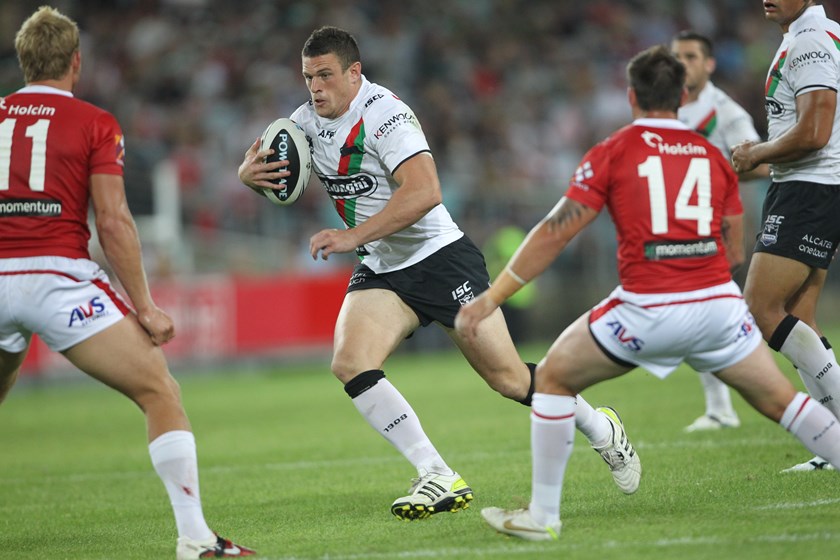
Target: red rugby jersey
x=666 y=189
x=50 y=145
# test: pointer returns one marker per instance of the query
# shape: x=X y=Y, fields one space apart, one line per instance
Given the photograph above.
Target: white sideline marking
x=800 y=505
x=506 y=549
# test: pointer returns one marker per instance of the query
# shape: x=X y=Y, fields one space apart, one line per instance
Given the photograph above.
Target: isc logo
x=463 y=293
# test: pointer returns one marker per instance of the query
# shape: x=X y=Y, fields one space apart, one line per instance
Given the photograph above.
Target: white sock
x=594 y=426
x=814 y=389
x=552 y=441
x=804 y=348
x=815 y=426
x=174 y=458
x=718 y=398
x=387 y=411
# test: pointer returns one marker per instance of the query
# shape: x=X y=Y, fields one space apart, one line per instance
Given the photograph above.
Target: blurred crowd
x=510 y=93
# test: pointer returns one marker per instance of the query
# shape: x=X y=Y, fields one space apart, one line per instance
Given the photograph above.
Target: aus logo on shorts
x=627 y=340
x=82 y=315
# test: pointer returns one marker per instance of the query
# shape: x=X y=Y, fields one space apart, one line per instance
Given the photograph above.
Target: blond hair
x=45 y=44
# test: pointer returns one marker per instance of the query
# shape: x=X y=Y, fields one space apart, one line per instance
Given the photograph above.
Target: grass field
x=289 y=467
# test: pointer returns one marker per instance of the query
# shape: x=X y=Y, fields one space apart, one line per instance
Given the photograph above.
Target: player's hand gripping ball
x=289 y=142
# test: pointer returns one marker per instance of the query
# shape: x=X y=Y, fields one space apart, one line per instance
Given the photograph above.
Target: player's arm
x=418 y=193
x=762 y=171
x=121 y=244
x=740 y=129
x=812 y=131
x=542 y=245
x=732 y=234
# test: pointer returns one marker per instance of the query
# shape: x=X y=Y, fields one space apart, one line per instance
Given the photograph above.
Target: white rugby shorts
x=709 y=329
x=62 y=300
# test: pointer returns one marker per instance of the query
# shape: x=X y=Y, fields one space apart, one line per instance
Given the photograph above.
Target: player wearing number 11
x=59 y=154
x=675 y=204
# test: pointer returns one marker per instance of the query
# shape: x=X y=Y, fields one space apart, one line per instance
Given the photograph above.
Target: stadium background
x=510 y=95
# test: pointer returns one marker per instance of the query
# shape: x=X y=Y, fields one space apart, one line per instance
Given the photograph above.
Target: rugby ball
x=289 y=142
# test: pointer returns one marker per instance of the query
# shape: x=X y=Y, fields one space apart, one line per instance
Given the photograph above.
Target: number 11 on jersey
x=38 y=164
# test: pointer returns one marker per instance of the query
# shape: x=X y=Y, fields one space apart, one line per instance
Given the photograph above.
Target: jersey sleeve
x=739 y=127
x=590 y=182
x=107 y=146
x=812 y=63
x=395 y=134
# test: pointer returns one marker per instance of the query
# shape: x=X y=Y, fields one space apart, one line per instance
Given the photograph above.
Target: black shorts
x=436 y=287
x=801 y=222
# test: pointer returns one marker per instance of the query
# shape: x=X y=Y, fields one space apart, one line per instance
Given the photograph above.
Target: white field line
x=800 y=505
x=507 y=549
x=376 y=460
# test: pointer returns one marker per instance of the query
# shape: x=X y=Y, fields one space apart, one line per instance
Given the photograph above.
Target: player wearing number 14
x=675 y=204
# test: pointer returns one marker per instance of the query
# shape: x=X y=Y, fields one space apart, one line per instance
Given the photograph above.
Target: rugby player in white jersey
x=677 y=212
x=801 y=230
x=724 y=123
x=416 y=267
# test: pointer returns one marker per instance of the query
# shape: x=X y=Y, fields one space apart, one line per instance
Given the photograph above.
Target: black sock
x=533 y=369
x=363 y=382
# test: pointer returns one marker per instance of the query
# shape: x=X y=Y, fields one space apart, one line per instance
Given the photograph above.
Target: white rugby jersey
x=721 y=120
x=807 y=60
x=355 y=157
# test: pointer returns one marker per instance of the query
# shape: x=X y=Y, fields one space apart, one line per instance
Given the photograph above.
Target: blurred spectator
x=510 y=94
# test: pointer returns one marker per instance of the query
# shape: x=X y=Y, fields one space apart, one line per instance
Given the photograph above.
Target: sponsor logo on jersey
x=463 y=293
x=327 y=135
x=626 y=340
x=31 y=207
x=770 y=235
x=2 y=103
x=31 y=110
x=372 y=99
x=808 y=58
x=654 y=140
x=350 y=150
x=394 y=122
x=694 y=248
x=86 y=313
x=354 y=186
x=773 y=107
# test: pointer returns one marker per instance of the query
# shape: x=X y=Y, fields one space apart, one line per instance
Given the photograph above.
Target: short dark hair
x=328 y=39
x=658 y=78
x=691 y=35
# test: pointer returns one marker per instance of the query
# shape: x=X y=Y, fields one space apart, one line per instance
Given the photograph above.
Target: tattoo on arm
x=565 y=214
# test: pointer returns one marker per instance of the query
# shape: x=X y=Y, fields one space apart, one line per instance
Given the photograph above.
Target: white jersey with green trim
x=355 y=157
x=721 y=120
x=807 y=60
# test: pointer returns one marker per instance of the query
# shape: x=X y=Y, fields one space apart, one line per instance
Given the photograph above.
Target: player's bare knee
x=159 y=390
x=510 y=386
x=344 y=369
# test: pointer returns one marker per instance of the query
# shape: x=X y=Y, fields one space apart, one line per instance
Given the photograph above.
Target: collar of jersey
x=800 y=23
x=45 y=89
